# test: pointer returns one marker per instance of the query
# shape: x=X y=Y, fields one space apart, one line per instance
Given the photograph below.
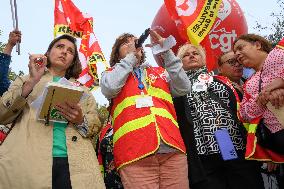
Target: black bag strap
x=110 y=107
x=260 y=81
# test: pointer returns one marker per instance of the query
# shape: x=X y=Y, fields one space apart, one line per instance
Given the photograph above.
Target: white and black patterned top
x=208 y=115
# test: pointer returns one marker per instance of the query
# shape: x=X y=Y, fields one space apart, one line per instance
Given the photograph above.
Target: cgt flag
x=193 y=18
x=68 y=19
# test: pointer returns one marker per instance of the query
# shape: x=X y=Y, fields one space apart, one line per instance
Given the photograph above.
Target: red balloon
x=229 y=24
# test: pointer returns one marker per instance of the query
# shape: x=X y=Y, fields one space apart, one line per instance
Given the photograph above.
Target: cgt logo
x=221 y=38
x=186 y=7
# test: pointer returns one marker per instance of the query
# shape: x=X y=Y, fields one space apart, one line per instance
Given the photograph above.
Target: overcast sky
x=111 y=18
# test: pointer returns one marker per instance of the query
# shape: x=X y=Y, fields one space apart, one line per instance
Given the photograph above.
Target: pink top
x=273 y=68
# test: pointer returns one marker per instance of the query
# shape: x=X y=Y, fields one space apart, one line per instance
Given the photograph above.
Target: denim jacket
x=4 y=68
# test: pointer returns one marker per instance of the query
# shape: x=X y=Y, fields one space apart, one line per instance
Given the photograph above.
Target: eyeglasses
x=232 y=62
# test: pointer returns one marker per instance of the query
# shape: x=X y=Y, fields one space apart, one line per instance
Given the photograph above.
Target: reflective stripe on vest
x=252 y=128
x=129 y=101
x=159 y=93
x=135 y=124
x=164 y=113
x=146 y=120
x=143 y=122
x=157 y=122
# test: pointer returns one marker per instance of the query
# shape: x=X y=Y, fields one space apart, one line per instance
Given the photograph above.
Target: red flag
x=68 y=19
x=193 y=18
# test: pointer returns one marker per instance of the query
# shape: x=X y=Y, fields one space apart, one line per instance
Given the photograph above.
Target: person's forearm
x=27 y=88
x=250 y=109
x=179 y=82
x=8 y=49
x=12 y=102
x=112 y=81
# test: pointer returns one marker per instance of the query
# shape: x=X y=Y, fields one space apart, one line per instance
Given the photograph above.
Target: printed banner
x=193 y=18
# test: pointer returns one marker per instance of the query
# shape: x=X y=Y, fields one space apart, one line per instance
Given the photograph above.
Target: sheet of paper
x=167 y=45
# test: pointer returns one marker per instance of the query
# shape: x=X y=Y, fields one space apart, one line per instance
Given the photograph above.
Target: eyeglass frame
x=229 y=61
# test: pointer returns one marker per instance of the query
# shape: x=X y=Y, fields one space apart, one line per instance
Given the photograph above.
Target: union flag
x=68 y=19
x=193 y=18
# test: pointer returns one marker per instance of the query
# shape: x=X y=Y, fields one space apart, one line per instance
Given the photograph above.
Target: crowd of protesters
x=176 y=125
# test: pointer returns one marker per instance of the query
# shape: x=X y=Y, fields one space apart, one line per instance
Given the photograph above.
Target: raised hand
x=129 y=47
x=156 y=39
x=36 y=71
x=14 y=38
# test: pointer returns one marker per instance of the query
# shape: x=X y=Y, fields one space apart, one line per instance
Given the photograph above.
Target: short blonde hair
x=182 y=50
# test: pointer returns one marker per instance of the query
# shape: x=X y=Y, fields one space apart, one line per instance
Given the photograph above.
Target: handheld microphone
x=142 y=38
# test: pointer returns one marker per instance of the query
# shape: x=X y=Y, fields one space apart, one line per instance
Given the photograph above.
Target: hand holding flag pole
x=15 y=20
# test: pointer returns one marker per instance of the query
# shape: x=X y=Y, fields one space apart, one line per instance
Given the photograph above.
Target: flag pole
x=13 y=14
x=15 y=20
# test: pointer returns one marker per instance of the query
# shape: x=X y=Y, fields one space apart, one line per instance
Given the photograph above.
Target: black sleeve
x=195 y=169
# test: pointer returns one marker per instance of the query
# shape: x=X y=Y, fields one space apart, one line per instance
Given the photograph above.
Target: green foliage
x=103 y=113
x=12 y=75
x=276 y=27
x=2 y=45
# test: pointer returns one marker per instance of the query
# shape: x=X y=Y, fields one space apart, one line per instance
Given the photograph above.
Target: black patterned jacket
x=197 y=114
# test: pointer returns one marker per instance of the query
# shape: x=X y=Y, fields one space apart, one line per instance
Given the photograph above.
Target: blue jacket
x=4 y=68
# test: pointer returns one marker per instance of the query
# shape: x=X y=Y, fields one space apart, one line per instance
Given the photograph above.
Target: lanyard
x=139 y=77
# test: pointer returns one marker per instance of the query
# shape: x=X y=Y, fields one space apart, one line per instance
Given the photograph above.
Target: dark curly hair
x=266 y=46
x=75 y=68
x=114 y=56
